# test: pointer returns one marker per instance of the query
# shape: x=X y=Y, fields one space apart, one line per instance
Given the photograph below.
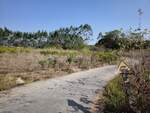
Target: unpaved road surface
x=68 y=94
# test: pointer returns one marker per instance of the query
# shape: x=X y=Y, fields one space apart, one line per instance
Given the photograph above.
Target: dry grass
x=140 y=83
x=7 y=82
x=39 y=64
x=22 y=62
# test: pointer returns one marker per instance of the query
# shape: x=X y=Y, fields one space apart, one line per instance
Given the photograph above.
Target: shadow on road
x=85 y=100
x=77 y=106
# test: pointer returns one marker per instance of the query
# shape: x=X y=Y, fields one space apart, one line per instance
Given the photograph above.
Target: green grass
x=114 y=97
x=4 y=49
x=59 y=52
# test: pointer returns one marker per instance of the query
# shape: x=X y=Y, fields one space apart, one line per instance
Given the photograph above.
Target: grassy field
x=37 y=64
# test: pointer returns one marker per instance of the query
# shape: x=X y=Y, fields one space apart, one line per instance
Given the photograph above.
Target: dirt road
x=68 y=94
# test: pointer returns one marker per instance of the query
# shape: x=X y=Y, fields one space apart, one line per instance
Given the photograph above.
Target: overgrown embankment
x=133 y=97
x=37 y=64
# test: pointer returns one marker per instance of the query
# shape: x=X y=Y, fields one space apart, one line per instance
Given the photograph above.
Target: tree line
x=66 y=38
x=76 y=38
x=118 y=39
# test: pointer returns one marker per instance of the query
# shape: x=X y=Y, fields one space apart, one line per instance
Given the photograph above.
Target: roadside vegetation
x=136 y=50
x=114 y=98
x=28 y=57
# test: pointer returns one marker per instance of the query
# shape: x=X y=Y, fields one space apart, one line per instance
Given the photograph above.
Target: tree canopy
x=118 y=39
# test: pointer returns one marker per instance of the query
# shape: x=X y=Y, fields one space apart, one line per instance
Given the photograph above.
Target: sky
x=49 y=15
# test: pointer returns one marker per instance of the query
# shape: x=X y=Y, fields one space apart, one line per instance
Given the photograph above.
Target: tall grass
x=114 y=97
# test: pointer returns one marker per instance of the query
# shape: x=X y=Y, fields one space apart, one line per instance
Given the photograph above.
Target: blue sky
x=102 y=15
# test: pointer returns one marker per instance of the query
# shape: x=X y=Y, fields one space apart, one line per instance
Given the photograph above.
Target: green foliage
x=66 y=38
x=117 y=39
x=72 y=37
x=107 y=57
x=111 y=39
x=114 y=97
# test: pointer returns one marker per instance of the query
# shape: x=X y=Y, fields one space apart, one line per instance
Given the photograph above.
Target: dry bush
x=140 y=83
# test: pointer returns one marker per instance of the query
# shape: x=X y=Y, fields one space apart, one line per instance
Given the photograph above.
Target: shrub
x=43 y=63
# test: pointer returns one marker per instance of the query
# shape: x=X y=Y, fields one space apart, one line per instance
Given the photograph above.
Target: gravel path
x=68 y=94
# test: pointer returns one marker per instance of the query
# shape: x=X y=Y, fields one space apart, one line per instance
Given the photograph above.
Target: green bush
x=106 y=57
